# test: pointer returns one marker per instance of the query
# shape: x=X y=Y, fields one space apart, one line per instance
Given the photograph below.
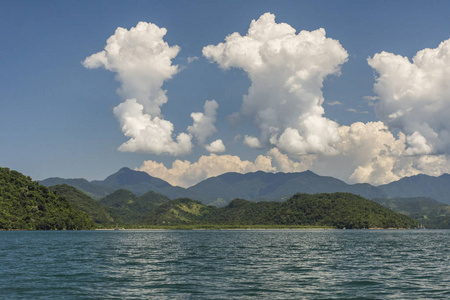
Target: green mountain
x=92 y=190
x=83 y=202
x=429 y=212
x=421 y=185
x=340 y=210
x=129 y=208
x=27 y=205
x=260 y=185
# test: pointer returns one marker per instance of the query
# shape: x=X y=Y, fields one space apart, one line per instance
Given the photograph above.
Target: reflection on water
x=244 y=264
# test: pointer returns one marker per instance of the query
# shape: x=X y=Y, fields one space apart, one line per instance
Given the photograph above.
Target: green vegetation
x=93 y=190
x=127 y=208
x=338 y=210
x=26 y=205
x=98 y=213
x=429 y=212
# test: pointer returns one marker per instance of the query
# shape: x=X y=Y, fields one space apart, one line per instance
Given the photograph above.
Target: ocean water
x=225 y=264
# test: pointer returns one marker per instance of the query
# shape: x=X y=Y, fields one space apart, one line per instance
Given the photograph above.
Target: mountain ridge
x=259 y=186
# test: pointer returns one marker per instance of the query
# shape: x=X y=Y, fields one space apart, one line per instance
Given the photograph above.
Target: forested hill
x=338 y=210
x=98 y=213
x=26 y=205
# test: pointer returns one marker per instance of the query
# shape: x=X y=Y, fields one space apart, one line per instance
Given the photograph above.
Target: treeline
x=26 y=205
x=338 y=210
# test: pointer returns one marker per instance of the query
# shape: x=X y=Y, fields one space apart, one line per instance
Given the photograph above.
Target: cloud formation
x=216 y=147
x=414 y=97
x=185 y=173
x=142 y=61
x=148 y=134
x=203 y=126
x=287 y=72
x=285 y=102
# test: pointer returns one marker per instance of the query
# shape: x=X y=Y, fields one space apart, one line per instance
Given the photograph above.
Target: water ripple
x=241 y=264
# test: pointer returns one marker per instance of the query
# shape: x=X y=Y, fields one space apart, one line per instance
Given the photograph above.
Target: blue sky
x=57 y=115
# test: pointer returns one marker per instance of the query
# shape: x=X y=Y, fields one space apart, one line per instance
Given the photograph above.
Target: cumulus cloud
x=414 y=97
x=285 y=101
x=216 y=147
x=287 y=72
x=185 y=173
x=142 y=61
x=203 y=126
x=252 y=142
x=148 y=134
x=368 y=152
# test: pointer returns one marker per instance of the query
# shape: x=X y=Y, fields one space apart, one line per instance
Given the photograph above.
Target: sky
x=186 y=90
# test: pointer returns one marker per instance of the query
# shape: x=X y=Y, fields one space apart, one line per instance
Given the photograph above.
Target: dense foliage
x=129 y=208
x=429 y=212
x=98 y=213
x=339 y=210
x=26 y=205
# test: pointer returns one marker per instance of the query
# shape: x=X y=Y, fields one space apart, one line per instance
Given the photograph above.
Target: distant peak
x=308 y=172
x=125 y=169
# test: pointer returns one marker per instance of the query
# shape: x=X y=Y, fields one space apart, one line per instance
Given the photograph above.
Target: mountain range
x=259 y=186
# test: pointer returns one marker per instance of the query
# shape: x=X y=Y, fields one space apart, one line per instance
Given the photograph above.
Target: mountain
x=92 y=190
x=437 y=188
x=429 y=212
x=27 y=205
x=83 y=202
x=260 y=185
x=129 y=208
x=339 y=210
x=136 y=182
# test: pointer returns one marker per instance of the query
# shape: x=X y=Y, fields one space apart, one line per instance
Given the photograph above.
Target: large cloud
x=414 y=97
x=142 y=61
x=185 y=173
x=287 y=72
x=148 y=134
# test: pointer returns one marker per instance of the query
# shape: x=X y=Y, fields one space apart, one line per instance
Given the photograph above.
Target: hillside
x=421 y=185
x=27 y=205
x=137 y=182
x=83 y=202
x=339 y=210
x=429 y=212
x=127 y=208
x=92 y=190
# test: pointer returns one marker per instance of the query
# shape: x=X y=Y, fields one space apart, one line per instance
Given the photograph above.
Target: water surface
x=225 y=264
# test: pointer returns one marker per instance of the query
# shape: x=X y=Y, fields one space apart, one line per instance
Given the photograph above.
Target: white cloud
x=142 y=61
x=185 y=173
x=414 y=97
x=332 y=103
x=216 y=147
x=192 y=59
x=147 y=134
x=252 y=142
x=203 y=126
x=285 y=101
x=353 y=110
x=287 y=72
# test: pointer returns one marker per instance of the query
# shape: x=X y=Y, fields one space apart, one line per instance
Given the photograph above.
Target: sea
x=225 y=264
